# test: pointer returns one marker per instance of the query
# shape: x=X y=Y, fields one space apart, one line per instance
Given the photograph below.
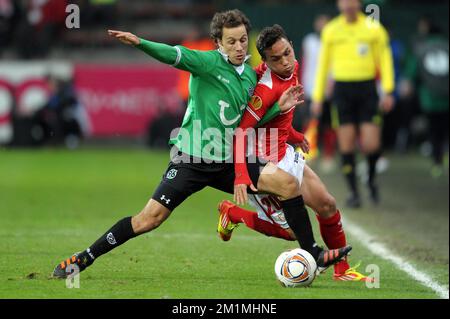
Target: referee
x=354 y=49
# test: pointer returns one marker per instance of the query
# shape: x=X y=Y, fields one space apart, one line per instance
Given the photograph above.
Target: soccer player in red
x=277 y=73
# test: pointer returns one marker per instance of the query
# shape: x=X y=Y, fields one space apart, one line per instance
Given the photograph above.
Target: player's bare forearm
x=125 y=37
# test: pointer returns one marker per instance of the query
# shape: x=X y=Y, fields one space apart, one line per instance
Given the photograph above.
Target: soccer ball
x=295 y=268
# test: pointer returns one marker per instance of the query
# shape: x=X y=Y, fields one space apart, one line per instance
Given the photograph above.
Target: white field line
x=382 y=251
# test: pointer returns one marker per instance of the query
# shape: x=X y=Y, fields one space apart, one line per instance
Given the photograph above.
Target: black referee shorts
x=182 y=179
x=356 y=102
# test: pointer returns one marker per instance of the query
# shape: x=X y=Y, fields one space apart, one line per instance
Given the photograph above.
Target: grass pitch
x=56 y=202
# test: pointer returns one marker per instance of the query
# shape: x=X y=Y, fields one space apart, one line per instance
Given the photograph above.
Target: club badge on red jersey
x=255 y=102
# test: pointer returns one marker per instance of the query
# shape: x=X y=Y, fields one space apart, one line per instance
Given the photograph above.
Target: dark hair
x=227 y=19
x=268 y=36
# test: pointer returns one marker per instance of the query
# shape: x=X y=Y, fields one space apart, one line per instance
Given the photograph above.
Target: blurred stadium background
x=73 y=94
x=114 y=92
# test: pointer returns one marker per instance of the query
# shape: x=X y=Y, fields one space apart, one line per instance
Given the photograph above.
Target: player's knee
x=327 y=206
x=331 y=204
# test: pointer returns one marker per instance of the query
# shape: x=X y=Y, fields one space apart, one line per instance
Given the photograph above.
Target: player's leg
x=347 y=135
x=371 y=147
x=370 y=119
x=274 y=180
x=318 y=198
x=316 y=195
x=231 y=215
x=148 y=219
x=295 y=212
x=166 y=198
x=347 y=119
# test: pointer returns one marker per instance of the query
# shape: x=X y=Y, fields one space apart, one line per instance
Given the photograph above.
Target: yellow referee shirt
x=354 y=51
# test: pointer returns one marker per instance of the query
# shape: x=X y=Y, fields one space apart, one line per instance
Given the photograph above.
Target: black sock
x=348 y=168
x=298 y=219
x=372 y=165
x=114 y=237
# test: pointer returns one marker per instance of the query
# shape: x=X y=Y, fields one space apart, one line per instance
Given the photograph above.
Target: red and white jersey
x=269 y=89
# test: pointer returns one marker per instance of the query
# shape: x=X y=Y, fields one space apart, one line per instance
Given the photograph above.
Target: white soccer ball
x=295 y=268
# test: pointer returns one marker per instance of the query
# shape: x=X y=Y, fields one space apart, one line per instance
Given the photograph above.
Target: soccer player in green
x=221 y=84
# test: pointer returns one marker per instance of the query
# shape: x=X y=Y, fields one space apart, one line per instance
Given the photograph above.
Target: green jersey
x=218 y=95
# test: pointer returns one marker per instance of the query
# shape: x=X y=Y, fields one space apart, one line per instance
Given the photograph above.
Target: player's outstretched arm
x=194 y=61
x=162 y=52
x=125 y=37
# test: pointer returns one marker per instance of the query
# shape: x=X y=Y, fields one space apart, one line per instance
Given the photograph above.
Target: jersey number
x=271 y=202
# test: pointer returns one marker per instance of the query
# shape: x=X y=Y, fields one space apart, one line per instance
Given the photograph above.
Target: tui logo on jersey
x=255 y=102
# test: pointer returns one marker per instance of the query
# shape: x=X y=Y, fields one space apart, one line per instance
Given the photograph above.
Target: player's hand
x=304 y=146
x=316 y=109
x=291 y=98
x=387 y=103
x=125 y=37
x=240 y=193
